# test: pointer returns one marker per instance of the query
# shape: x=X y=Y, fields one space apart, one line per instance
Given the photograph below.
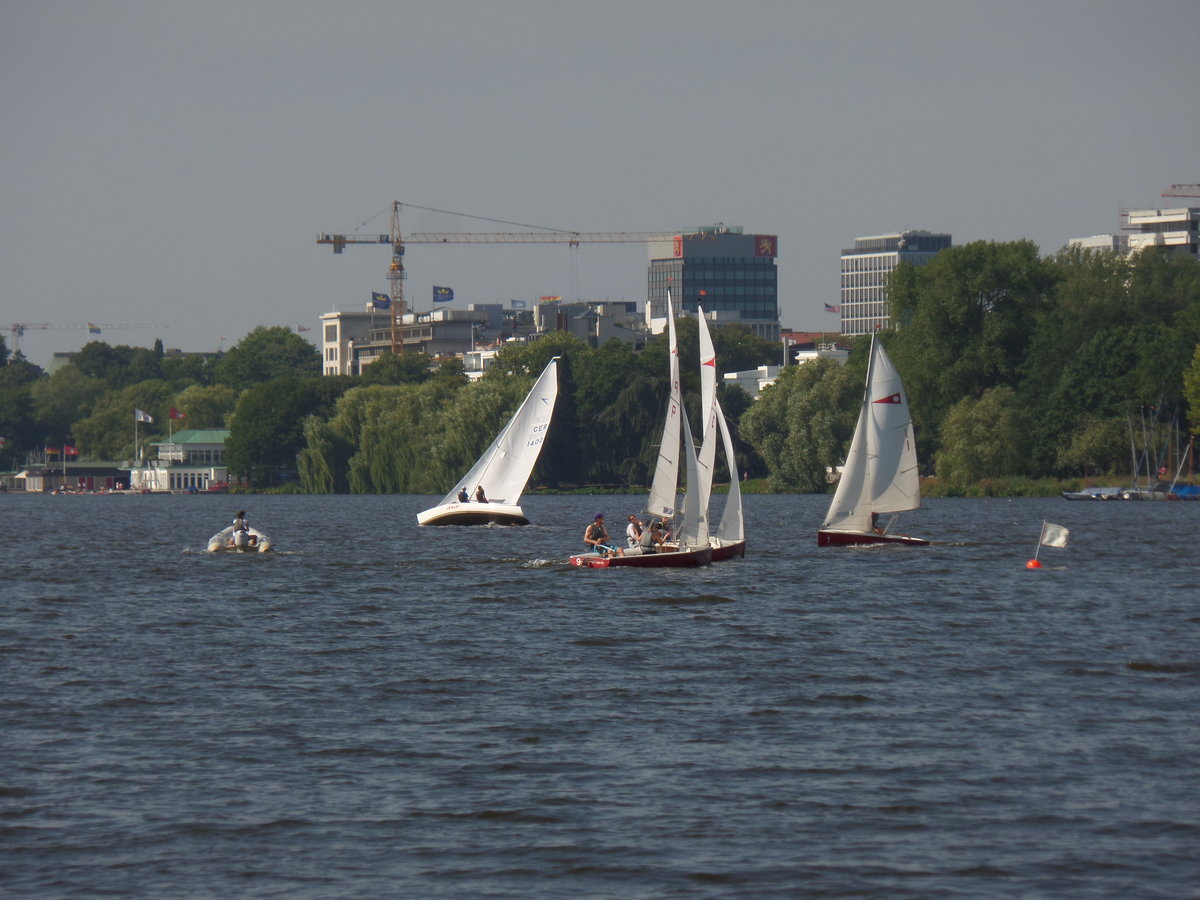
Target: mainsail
x=880 y=474
x=505 y=467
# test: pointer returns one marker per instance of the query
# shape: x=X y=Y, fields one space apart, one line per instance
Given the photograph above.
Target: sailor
x=239 y=521
x=463 y=496
x=633 y=531
x=480 y=497
x=595 y=537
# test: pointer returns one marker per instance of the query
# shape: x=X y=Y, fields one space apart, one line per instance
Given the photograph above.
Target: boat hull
x=862 y=539
x=472 y=513
x=675 y=559
x=732 y=550
x=226 y=541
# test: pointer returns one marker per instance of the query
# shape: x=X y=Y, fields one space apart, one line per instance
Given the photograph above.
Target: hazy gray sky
x=171 y=162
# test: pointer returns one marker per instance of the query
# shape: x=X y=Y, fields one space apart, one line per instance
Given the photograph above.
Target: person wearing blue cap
x=595 y=537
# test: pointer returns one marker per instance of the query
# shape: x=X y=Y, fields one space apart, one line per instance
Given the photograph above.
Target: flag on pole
x=303 y=328
x=176 y=414
x=442 y=294
x=93 y=329
x=380 y=301
x=518 y=304
x=69 y=450
x=1054 y=535
x=139 y=416
x=829 y=307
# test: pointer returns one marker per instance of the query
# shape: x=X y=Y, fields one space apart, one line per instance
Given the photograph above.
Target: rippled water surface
x=383 y=710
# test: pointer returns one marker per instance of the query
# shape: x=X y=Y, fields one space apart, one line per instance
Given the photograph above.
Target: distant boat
x=505 y=466
x=1094 y=493
x=729 y=541
x=692 y=548
x=880 y=475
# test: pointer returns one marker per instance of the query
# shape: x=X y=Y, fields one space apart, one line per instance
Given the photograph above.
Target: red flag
x=176 y=414
x=69 y=450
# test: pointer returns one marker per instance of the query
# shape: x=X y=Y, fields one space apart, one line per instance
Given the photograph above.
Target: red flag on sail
x=891 y=398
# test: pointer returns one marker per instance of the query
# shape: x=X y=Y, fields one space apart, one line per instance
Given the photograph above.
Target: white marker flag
x=1054 y=535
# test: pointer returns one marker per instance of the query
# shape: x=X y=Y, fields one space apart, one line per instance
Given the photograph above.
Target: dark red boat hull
x=677 y=559
x=857 y=539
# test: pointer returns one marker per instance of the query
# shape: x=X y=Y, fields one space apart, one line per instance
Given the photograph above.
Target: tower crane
x=544 y=235
x=18 y=329
x=1182 y=190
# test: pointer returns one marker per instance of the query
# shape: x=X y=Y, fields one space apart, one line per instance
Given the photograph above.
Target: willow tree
x=802 y=424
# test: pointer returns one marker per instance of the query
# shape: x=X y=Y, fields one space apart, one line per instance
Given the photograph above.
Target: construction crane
x=18 y=329
x=1182 y=190
x=545 y=235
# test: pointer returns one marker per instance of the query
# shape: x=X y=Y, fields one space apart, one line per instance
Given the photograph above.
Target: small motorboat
x=250 y=541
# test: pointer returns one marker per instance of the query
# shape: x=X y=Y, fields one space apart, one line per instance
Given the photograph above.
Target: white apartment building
x=865 y=270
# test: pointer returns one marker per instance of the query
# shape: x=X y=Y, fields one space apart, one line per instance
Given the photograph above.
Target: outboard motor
x=241 y=539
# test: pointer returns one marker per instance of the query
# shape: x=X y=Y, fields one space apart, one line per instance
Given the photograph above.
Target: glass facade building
x=865 y=270
x=722 y=270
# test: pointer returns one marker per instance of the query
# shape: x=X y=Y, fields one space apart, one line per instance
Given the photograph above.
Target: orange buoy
x=1033 y=564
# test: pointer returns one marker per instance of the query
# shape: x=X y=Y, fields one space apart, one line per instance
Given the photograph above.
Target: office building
x=865 y=270
x=721 y=269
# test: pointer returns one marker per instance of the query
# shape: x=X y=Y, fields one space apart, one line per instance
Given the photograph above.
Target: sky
x=167 y=166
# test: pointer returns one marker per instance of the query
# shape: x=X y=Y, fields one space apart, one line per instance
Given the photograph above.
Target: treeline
x=1015 y=365
x=409 y=424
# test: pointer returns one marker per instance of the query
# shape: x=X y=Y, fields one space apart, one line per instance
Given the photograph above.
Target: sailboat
x=730 y=538
x=504 y=468
x=692 y=547
x=880 y=475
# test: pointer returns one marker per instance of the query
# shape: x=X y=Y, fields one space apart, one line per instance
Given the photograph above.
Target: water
x=383 y=710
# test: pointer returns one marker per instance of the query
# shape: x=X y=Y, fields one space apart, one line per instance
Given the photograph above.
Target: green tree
x=268 y=353
x=1191 y=387
x=206 y=407
x=266 y=430
x=18 y=426
x=108 y=433
x=1096 y=445
x=983 y=438
x=409 y=367
x=803 y=423
x=62 y=399
x=964 y=324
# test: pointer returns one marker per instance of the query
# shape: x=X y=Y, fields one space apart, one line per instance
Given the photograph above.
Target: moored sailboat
x=880 y=475
x=505 y=466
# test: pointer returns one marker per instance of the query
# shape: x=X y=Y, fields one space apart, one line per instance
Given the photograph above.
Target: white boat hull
x=252 y=541
x=472 y=513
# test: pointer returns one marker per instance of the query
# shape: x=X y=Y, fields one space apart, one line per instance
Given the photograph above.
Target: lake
x=378 y=709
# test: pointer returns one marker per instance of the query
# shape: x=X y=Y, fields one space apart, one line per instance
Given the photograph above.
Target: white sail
x=880 y=474
x=731 y=527
x=504 y=468
x=666 y=472
x=693 y=529
x=707 y=459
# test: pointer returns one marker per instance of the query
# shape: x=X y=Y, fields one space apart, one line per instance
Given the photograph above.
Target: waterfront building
x=721 y=269
x=865 y=270
x=1177 y=230
x=191 y=460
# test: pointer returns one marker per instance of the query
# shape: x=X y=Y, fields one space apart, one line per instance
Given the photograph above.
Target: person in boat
x=480 y=496
x=463 y=496
x=634 y=531
x=664 y=526
x=875 y=523
x=595 y=537
x=652 y=539
x=239 y=521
